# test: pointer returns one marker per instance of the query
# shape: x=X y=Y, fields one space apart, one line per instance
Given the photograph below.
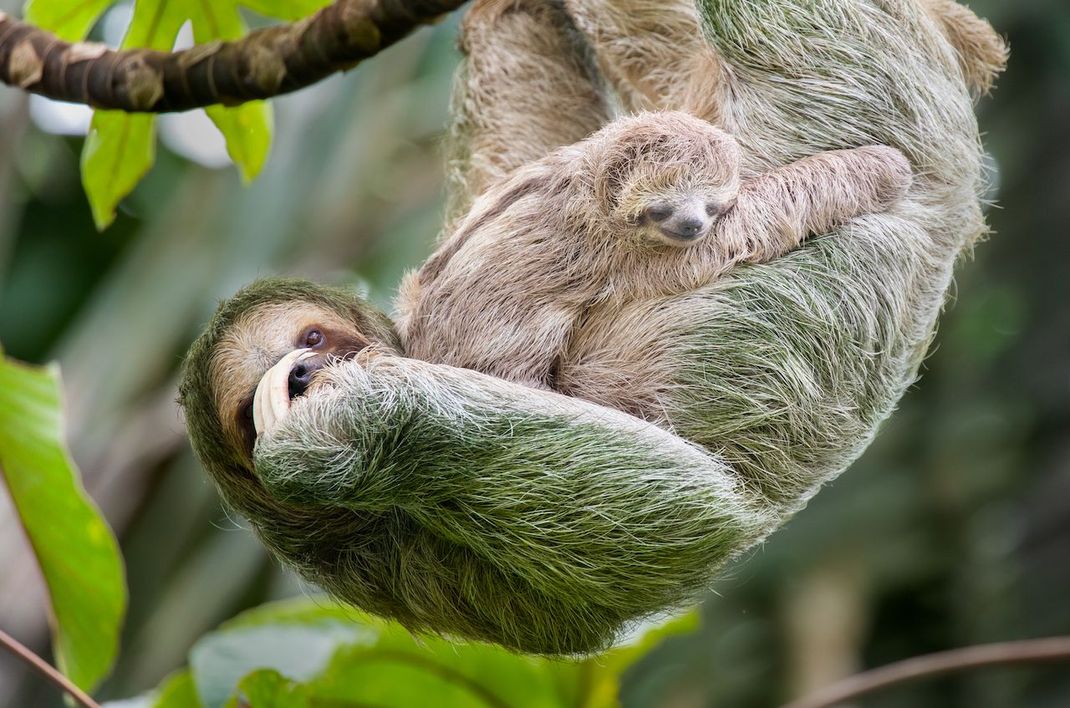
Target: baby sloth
x=649 y=206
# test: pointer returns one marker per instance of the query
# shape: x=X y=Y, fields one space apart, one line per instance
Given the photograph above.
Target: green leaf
x=268 y=689
x=119 y=150
x=121 y=147
x=178 y=691
x=247 y=128
x=314 y=653
x=68 y=20
x=76 y=550
x=285 y=9
x=607 y=671
x=300 y=651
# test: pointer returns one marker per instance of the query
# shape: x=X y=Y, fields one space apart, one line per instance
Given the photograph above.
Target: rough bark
x=264 y=63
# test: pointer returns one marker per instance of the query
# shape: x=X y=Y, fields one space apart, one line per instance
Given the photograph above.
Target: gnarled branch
x=265 y=63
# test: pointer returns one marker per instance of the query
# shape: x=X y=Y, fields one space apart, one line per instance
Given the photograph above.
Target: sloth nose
x=684 y=228
x=301 y=376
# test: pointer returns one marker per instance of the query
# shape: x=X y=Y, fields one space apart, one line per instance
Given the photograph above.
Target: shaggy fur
x=574 y=230
x=644 y=47
x=469 y=505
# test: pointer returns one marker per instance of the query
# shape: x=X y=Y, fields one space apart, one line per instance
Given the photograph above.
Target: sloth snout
x=686 y=228
x=301 y=376
x=682 y=223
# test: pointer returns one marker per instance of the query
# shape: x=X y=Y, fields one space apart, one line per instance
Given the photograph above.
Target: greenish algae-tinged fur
x=465 y=505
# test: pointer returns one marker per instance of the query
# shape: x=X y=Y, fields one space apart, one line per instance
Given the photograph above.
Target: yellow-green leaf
x=248 y=127
x=76 y=550
x=119 y=150
x=606 y=671
x=68 y=20
x=178 y=691
x=121 y=147
x=248 y=130
x=285 y=9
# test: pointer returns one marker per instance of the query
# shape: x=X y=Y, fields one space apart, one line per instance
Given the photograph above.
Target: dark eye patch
x=245 y=425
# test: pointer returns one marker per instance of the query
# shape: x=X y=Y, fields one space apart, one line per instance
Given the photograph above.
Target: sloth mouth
x=683 y=236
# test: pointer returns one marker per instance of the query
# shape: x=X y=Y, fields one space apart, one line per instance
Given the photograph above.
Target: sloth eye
x=659 y=212
x=314 y=338
x=714 y=209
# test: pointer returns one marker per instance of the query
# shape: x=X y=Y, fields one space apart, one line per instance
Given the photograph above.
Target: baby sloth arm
x=777 y=210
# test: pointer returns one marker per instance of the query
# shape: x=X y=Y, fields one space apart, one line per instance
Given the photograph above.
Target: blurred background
x=953 y=529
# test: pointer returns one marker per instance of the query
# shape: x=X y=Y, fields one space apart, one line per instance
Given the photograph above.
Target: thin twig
x=1030 y=651
x=15 y=647
x=264 y=63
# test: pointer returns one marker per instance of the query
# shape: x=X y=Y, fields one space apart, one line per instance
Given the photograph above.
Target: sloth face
x=683 y=218
x=678 y=176
x=679 y=205
x=289 y=341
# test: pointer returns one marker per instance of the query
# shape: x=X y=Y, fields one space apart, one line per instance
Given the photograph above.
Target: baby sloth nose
x=683 y=222
x=301 y=375
x=686 y=227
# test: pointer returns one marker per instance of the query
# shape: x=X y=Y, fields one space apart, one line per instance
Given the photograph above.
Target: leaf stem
x=40 y=665
x=1030 y=651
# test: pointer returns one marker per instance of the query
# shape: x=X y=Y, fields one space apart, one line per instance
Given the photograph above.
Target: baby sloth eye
x=313 y=338
x=714 y=209
x=659 y=212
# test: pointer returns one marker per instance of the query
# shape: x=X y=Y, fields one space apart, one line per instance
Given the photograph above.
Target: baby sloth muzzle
x=686 y=222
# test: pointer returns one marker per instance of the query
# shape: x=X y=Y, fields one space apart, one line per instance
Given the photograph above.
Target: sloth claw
x=271 y=403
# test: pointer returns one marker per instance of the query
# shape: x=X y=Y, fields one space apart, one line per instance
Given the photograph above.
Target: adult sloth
x=460 y=503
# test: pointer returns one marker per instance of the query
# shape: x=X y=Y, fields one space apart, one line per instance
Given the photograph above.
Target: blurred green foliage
x=77 y=553
x=953 y=529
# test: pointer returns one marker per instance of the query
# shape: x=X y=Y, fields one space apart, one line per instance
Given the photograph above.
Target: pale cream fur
x=569 y=232
x=643 y=47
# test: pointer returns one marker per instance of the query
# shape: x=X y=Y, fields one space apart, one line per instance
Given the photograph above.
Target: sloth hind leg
x=982 y=53
x=527 y=86
x=653 y=53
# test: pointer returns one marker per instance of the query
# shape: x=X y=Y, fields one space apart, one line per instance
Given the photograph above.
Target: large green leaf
x=120 y=148
x=247 y=128
x=302 y=653
x=78 y=554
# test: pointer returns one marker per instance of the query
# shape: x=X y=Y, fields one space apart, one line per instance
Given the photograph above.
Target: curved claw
x=271 y=403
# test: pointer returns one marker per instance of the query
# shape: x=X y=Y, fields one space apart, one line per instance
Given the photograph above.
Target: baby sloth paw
x=891 y=173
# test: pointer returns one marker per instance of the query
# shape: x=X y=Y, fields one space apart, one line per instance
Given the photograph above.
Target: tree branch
x=1032 y=651
x=15 y=647
x=265 y=63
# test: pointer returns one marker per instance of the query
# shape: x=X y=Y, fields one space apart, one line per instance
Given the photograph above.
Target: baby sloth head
x=667 y=177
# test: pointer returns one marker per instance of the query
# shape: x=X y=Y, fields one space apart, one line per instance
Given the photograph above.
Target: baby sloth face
x=682 y=176
x=683 y=218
